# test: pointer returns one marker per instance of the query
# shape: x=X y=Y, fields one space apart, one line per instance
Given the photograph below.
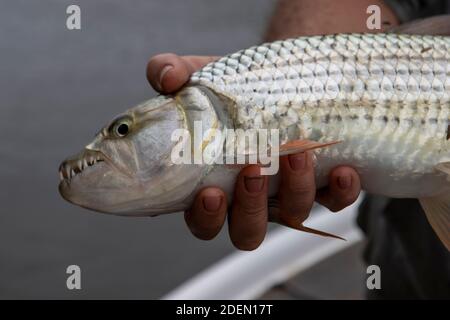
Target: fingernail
x=344 y=182
x=254 y=184
x=212 y=203
x=297 y=161
x=164 y=71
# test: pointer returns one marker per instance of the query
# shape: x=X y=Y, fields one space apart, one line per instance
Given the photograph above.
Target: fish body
x=384 y=97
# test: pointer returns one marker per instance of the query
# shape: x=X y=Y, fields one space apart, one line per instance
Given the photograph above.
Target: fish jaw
x=89 y=179
x=135 y=175
x=101 y=186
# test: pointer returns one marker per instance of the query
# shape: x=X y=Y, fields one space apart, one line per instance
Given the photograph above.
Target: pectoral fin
x=297 y=146
x=291 y=147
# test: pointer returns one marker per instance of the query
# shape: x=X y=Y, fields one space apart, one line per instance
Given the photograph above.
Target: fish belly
x=394 y=155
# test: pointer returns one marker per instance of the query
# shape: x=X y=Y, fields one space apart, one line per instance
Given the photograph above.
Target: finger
x=168 y=72
x=248 y=220
x=207 y=215
x=343 y=189
x=298 y=188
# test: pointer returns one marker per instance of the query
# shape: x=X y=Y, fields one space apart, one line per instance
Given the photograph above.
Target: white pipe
x=284 y=253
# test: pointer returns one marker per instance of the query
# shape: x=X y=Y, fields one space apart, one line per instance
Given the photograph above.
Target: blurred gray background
x=57 y=88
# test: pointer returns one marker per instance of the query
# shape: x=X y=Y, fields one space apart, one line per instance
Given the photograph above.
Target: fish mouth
x=75 y=165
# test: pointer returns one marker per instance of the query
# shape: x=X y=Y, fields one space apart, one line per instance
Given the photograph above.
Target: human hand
x=248 y=220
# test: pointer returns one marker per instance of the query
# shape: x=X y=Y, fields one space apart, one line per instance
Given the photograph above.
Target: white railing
x=284 y=253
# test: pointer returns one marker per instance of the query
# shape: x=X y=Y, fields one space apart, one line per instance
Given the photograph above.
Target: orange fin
x=290 y=147
x=274 y=217
x=315 y=231
x=297 y=146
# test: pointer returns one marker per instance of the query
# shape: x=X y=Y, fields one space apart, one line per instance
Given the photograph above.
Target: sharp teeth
x=85 y=163
x=80 y=164
x=61 y=176
x=72 y=173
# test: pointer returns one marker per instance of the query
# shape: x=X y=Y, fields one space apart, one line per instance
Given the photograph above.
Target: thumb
x=168 y=72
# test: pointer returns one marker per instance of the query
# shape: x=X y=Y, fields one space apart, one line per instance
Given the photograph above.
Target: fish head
x=127 y=168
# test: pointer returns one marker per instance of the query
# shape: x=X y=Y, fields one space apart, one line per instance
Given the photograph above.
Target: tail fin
x=437 y=210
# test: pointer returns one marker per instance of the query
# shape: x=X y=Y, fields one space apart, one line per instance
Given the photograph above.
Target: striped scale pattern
x=380 y=93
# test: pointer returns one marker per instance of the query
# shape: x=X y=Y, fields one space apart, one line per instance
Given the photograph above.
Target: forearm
x=293 y=18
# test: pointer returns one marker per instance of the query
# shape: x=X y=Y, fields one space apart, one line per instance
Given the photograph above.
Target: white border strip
x=285 y=253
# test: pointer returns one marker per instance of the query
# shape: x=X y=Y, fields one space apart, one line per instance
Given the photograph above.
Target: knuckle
x=297 y=201
x=252 y=205
x=301 y=200
x=299 y=187
x=252 y=208
x=299 y=211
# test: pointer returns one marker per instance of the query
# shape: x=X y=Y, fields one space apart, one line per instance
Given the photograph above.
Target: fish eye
x=120 y=128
